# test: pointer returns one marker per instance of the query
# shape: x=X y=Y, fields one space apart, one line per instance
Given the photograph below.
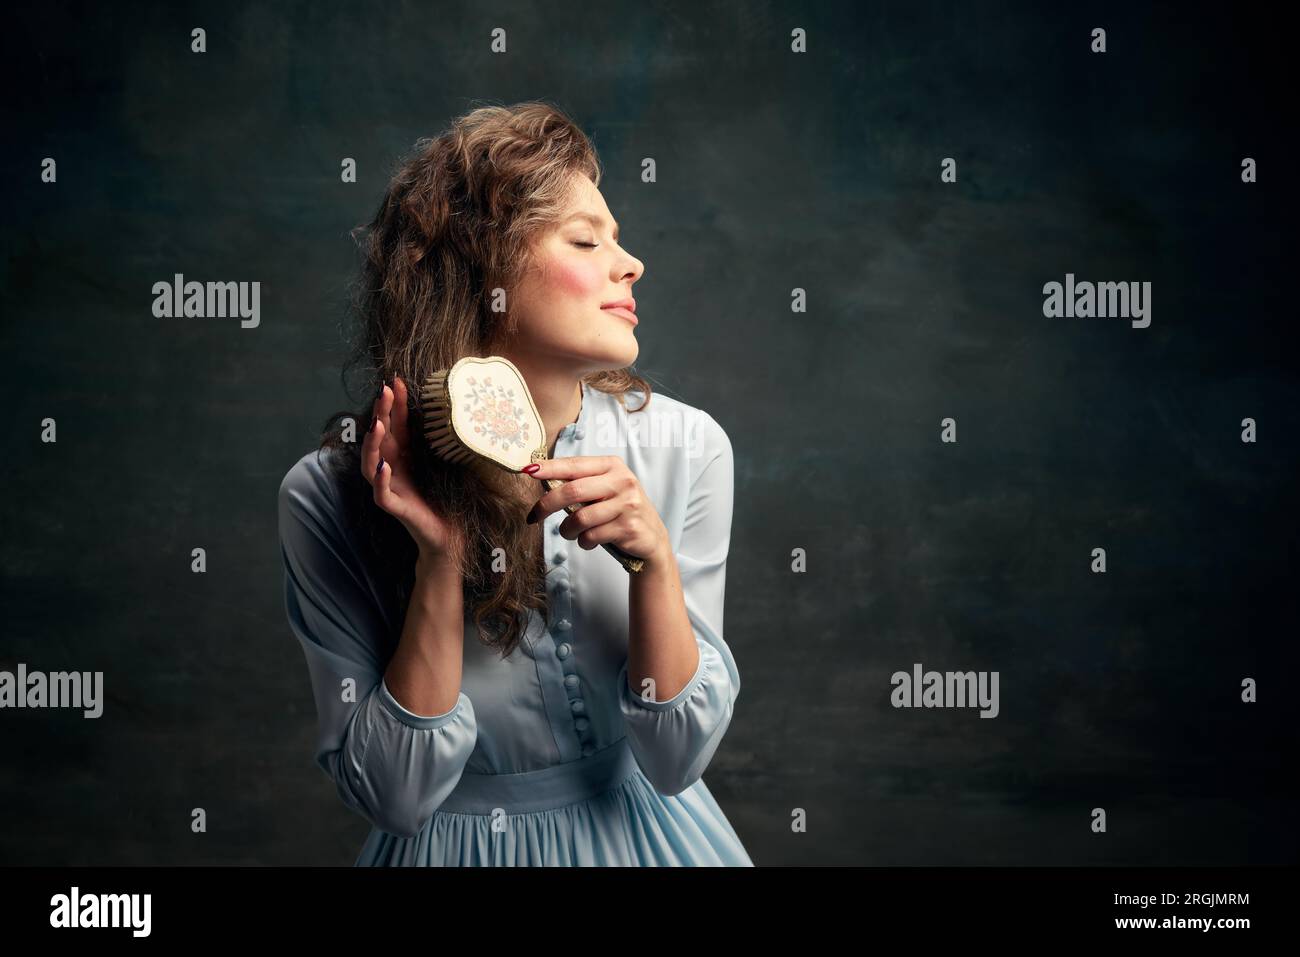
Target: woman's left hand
x=617 y=510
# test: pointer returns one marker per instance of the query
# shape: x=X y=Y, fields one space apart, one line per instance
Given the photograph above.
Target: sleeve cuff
x=676 y=699
x=420 y=721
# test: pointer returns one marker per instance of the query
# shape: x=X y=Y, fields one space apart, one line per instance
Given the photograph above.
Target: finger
x=385 y=497
x=384 y=450
x=576 y=466
x=370 y=449
x=398 y=417
x=377 y=404
x=591 y=488
x=614 y=531
x=589 y=517
x=388 y=446
x=385 y=407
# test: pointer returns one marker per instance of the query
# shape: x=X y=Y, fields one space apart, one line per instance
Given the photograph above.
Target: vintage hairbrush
x=480 y=410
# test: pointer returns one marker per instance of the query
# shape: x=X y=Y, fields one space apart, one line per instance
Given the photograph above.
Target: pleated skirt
x=600 y=811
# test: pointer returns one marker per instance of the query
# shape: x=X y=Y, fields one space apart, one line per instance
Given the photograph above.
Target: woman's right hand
x=385 y=463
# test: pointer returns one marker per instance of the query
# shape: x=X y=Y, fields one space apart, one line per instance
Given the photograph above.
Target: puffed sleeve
x=390 y=765
x=674 y=740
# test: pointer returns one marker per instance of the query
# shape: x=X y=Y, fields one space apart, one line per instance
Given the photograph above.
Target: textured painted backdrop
x=775 y=171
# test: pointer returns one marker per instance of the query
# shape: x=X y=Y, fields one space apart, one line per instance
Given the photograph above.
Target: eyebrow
x=595 y=220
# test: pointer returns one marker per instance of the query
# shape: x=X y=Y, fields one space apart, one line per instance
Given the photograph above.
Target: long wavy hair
x=458 y=220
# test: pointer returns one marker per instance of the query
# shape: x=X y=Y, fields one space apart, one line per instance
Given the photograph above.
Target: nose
x=631 y=268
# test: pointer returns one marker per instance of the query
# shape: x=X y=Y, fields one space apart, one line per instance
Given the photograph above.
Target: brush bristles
x=436 y=412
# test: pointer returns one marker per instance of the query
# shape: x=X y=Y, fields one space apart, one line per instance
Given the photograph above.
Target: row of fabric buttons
x=562 y=629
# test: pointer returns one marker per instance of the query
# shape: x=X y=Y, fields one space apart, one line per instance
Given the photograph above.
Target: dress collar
x=578 y=429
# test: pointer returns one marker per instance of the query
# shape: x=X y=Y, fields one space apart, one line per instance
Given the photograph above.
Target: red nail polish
x=530 y=469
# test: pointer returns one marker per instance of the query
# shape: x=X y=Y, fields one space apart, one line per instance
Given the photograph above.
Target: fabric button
x=570 y=681
x=561 y=586
x=562 y=651
x=558 y=558
x=578 y=434
x=581 y=724
x=563 y=624
x=577 y=706
x=588 y=750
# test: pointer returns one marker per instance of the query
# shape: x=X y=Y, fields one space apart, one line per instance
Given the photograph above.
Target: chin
x=629 y=355
x=617 y=356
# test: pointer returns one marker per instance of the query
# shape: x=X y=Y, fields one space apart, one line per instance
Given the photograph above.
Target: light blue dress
x=548 y=757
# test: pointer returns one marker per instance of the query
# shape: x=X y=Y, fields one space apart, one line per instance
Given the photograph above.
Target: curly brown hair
x=458 y=220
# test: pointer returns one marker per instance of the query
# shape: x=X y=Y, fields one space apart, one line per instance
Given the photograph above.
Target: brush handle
x=629 y=562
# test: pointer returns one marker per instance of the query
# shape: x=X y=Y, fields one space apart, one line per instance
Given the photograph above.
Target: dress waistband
x=545 y=788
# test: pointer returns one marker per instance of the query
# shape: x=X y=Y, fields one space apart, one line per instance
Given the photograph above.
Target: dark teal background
x=775 y=171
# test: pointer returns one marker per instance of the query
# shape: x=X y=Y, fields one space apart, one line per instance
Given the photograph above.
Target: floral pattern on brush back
x=496 y=414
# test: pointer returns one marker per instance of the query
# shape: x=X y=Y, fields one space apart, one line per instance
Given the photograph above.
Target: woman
x=492 y=687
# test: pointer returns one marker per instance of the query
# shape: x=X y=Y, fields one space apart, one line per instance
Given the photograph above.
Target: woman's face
x=564 y=305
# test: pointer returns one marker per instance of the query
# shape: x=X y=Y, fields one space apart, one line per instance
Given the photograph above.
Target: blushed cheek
x=577 y=280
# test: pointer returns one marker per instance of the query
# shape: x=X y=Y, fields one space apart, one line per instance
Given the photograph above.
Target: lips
x=619 y=309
